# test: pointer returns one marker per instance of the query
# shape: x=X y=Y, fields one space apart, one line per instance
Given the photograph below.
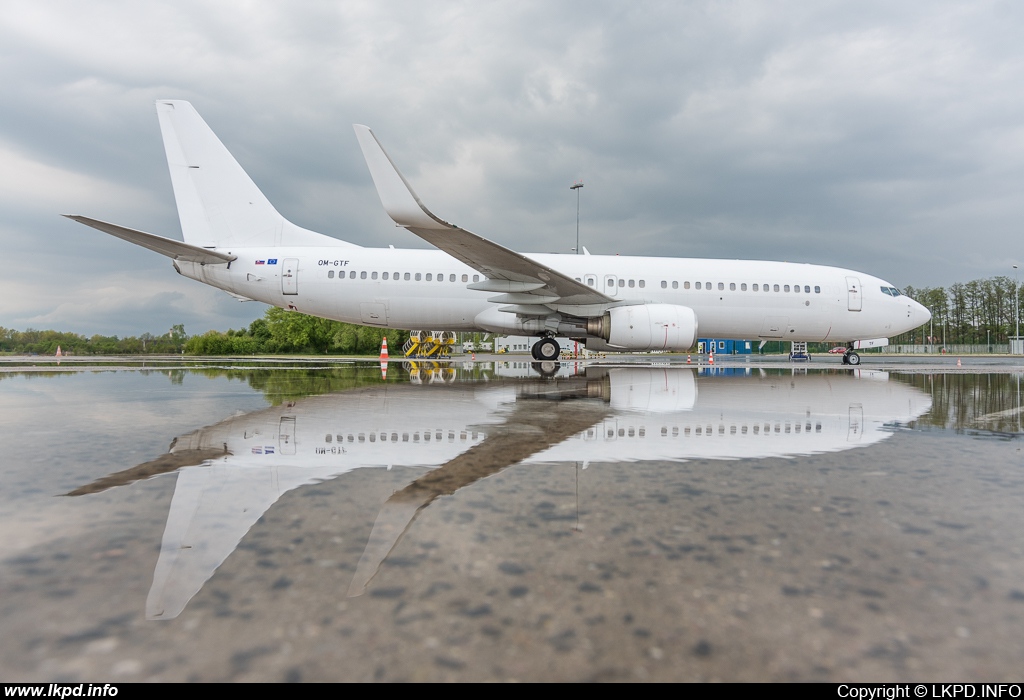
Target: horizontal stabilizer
x=165 y=246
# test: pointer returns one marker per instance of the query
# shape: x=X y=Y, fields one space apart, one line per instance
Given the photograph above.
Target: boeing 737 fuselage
x=235 y=240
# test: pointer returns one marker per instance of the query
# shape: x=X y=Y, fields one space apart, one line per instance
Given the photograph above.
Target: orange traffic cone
x=473 y=357
x=711 y=359
x=384 y=350
x=384 y=369
x=958 y=362
x=687 y=359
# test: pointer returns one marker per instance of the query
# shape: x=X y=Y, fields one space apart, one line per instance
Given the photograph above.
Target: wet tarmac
x=513 y=521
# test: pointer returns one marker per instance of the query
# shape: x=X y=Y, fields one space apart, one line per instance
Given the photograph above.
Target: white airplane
x=449 y=436
x=235 y=240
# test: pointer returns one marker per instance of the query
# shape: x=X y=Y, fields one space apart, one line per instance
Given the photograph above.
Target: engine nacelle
x=646 y=327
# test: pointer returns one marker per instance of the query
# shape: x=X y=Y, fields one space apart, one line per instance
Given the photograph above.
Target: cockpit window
x=891 y=291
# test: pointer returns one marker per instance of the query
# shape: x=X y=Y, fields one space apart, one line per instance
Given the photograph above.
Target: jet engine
x=645 y=327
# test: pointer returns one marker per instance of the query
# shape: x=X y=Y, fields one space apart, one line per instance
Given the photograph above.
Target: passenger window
x=451 y=278
x=395 y=277
x=622 y=282
x=755 y=288
x=611 y=283
x=697 y=285
x=476 y=278
x=407 y=276
x=352 y=275
x=632 y=284
x=776 y=288
x=721 y=286
x=362 y=275
x=743 y=287
x=465 y=278
x=817 y=289
x=591 y=282
x=373 y=275
x=418 y=276
x=384 y=276
x=807 y=289
x=786 y=288
x=642 y=284
x=429 y=277
x=330 y=274
x=664 y=284
x=732 y=286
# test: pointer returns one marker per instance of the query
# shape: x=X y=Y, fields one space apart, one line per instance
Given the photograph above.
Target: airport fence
x=982 y=349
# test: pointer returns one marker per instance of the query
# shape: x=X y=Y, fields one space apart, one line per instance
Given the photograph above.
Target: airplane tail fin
x=218 y=203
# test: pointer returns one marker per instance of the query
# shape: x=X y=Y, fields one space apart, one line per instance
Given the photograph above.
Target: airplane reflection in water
x=230 y=473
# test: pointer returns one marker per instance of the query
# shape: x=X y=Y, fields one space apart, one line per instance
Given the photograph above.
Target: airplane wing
x=165 y=246
x=524 y=283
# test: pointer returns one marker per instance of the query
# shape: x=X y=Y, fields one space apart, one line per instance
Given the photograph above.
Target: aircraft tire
x=547 y=350
x=852 y=358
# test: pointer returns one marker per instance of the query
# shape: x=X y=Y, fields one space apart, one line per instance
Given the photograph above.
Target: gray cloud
x=879 y=136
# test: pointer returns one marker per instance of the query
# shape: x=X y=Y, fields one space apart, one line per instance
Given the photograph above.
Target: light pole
x=577 y=186
x=1016 y=305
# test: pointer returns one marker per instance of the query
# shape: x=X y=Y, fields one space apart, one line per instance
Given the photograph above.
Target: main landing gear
x=851 y=357
x=546 y=350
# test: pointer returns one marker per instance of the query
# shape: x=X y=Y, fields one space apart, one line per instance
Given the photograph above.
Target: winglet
x=398 y=198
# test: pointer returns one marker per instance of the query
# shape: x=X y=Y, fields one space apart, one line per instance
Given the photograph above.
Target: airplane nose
x=921 y=313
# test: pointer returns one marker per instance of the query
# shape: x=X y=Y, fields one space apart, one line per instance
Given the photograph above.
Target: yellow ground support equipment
x=432 y=344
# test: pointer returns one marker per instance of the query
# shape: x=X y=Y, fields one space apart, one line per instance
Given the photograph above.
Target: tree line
x=976 y=312
x=279 y=331
x=47 y=342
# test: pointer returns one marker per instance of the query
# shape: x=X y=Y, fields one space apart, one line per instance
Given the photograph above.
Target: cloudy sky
x=886 y=137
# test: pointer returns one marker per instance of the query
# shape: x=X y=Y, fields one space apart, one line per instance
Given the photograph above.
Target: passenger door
x=289 y=276
x=853 y=294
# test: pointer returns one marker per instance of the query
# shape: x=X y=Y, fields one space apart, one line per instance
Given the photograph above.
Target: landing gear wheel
x=547 y=350
x=851 y=358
